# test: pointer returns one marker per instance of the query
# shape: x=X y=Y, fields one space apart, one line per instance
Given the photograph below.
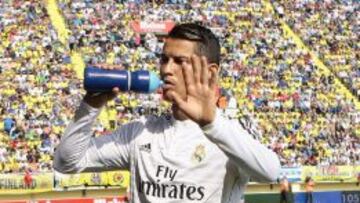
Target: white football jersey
x=170 y=160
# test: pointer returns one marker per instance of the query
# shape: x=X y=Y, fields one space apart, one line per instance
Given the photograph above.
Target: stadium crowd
x=266 y=79
x=38 y=91
x=331 y=28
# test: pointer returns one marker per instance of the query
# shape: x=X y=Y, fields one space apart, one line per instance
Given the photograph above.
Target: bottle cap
x=155 y=82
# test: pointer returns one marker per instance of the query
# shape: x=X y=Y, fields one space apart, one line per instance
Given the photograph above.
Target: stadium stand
x=38 y=92
x=331 y=29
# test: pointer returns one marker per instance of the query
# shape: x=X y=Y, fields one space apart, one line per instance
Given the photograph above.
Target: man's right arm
x=80 y=151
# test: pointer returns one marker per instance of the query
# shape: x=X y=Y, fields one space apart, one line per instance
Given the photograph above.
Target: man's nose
x=168 y=67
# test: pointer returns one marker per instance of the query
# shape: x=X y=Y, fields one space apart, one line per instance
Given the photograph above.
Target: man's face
x=175 y=53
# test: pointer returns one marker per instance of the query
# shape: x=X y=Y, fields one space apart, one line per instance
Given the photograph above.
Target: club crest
x=199 y=154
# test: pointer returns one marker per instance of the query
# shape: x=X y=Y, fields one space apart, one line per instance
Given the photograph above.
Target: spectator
x=309 y=189
x=285 y=190
x=28 y=179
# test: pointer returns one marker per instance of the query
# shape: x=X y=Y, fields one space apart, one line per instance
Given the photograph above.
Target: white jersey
x=170 y=160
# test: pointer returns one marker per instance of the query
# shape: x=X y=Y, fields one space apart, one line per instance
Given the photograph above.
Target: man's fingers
x=114 y=93
x=116 y=90
x=188 y=77
x=104 y=66
x=196 y=66
x=177 y=99
x=204 y=71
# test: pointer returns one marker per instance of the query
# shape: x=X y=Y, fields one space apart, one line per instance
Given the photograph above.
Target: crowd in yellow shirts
x=331 y=28
x=37 y=90
x=298 y=111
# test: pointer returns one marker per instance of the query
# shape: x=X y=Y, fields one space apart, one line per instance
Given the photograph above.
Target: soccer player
x=193 y=155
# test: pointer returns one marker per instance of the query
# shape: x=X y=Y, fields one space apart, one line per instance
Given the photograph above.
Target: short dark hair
x=207 y=43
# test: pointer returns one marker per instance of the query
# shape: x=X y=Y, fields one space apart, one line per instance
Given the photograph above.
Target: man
x=285 y=190
x=309 y=189
x=28 y=179
x=194 y=155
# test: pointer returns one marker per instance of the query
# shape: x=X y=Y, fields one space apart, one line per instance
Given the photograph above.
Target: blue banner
x=319 y=197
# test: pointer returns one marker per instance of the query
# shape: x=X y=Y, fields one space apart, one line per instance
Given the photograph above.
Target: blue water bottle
x=104 y=80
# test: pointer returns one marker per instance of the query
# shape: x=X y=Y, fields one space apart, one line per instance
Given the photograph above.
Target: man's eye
x=164 y=59
x=179 y=60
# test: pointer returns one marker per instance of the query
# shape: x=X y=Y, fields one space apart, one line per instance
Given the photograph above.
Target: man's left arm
x=199 y=105
x=261 y=163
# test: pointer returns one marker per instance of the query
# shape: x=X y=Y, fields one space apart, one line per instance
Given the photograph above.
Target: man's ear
x=214 y=70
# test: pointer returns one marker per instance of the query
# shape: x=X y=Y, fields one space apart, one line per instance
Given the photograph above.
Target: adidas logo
x=145 y=147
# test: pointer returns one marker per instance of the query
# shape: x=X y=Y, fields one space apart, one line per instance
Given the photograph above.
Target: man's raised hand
x=201 y=82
